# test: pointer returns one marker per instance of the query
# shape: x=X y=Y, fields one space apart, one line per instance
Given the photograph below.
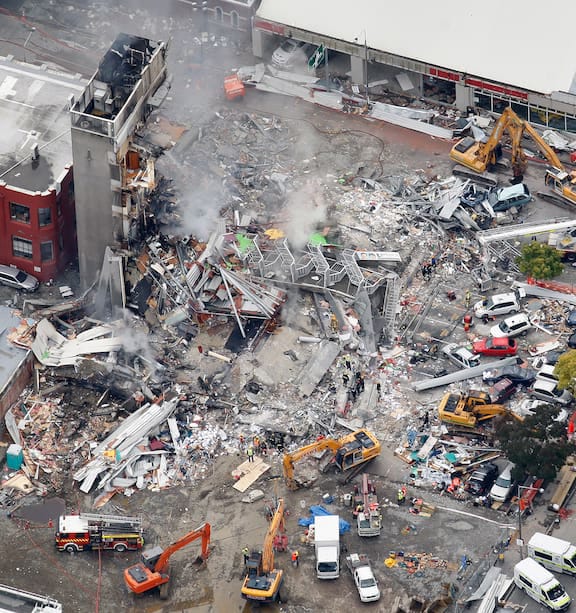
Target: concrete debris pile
x=338 y=92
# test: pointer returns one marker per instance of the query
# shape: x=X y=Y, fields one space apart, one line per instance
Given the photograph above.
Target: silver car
x=548 y=391
x=14 y=277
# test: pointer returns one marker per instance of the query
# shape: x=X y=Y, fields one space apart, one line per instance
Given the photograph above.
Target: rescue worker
x=467 y=297
x=256 y=443
x=250 y=453
x=401 y=496
x=295 y=557
x=246 y=554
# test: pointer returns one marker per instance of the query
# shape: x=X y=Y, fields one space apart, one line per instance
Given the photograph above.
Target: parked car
x=461 y=356
x=499 y=304
x=14 y=277
x=546 y=373
x=497 y=346
x=516 y=374
x=571 y=318
x=502 y=487
x=512 y=326
x=502 y=390
x=548 y=391
x=289 y=51
x=503 y=198
x=571 y=342
x=482 y=479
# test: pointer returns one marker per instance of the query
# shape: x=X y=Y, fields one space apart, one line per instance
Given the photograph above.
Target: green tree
x=539 y=261
x=565 y=370
x=538 y=446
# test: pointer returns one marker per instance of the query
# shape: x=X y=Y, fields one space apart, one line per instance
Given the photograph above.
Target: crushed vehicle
x=481 y=480
x=502 y=390
x=504 y=198
x=515 y=373
x=289 y=51
x=470 y=410
x=500 y=346
x=461 y=356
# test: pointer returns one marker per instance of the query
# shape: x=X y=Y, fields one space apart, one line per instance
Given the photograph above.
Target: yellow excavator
x=470 y=410
x=480 y=158
x=263 y=581
x=349 y=453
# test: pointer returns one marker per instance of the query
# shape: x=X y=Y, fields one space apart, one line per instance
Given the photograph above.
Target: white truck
x=552 y=552
x=366 y=584
x=327 y=546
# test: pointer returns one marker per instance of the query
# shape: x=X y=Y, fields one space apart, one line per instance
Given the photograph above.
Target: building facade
x=113 y=175
x=37 y=204
x=444 y=56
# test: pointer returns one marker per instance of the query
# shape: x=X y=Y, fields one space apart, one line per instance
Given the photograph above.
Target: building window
x=234 y=19
x=21 y=248
x=19 y=212
x=219 y=14
x=46 y=251
x=44 y=217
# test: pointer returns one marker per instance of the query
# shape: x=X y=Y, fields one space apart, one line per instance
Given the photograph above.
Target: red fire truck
x=92 y=531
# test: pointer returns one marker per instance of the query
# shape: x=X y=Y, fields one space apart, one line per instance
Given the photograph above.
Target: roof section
x=502 y=41
x=34 y=109
x=11 y=357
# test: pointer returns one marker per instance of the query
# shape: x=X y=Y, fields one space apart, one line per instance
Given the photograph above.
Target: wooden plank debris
x=248 y=473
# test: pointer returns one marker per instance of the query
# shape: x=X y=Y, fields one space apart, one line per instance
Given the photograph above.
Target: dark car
x=503 y=198
x=571 y=318
x=482 y=480
x=502 y=390
x=517 y=374
x=572 y=341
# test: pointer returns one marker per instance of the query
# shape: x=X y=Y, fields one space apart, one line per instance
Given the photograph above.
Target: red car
x=499 y=347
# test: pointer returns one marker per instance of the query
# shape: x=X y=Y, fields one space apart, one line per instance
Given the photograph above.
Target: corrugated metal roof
x=507 y=42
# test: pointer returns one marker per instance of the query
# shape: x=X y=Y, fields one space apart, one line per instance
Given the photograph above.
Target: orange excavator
x=348 y=453
x=152 y=571
x=263 y=581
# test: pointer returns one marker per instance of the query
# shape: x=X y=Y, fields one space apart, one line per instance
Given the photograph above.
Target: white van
x=503 y=484
x=541 y=585
x=553 y=553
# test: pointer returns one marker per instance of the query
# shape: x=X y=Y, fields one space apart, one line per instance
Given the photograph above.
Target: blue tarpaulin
x=318 y=510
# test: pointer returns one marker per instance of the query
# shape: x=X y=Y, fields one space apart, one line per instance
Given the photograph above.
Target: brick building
x=37 y=218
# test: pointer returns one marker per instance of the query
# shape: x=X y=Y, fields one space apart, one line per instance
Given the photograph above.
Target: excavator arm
x=291 y=458
x=276 y=524
x=202 y=532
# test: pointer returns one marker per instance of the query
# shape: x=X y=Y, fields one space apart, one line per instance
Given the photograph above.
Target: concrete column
x=464 y=97
x=357 y=69
x=257 y=43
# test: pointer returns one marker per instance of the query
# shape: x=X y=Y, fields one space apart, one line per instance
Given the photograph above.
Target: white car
x=499 y=304
x=512 y=326
x=548 y=391
x=546 y=373
x=460 y=355
x=503 y=484
x=289 y=52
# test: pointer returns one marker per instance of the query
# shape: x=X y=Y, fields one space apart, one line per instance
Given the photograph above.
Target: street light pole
x=520 y=541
